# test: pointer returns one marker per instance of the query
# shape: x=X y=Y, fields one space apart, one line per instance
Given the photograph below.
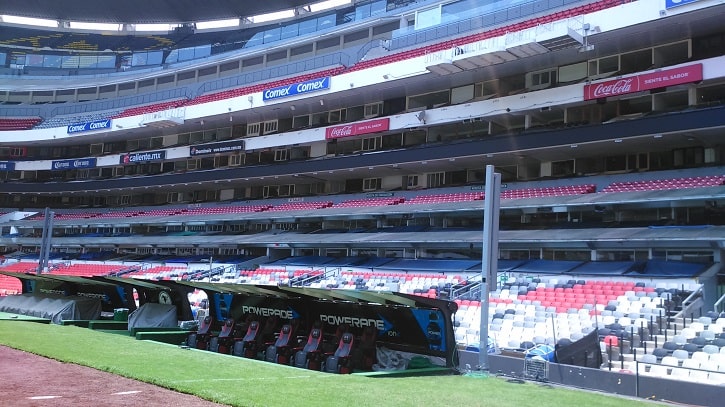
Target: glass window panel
x=325 y=22
x=378 y=7
x=255 y=40
x=34 y=60
x=202 y=51
x=272 y=35
x=289 y=31
x=155 y=57
x=362 y=12
x=186 y=54
x=139 y=59
x=307 y=27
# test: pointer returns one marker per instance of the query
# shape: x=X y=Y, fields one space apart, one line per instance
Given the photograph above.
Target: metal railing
x=690 y=304
x=293 y=68
x=487 y=18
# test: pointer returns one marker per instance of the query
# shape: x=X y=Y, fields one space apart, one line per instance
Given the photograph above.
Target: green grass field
x=243 y=382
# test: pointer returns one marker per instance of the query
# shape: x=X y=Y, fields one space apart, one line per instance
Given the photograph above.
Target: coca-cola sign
x=639 y=83
x=356 y=129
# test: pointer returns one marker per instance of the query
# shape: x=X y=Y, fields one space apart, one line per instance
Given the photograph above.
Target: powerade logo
x=89 y=126
x=356 y=322
x=677 y=3
x=269 y=312
x=297 y=88
x=73 y=164
x=131 y=158
x=7 y=166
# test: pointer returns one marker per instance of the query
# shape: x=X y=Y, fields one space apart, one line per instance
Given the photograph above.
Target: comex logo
x=675 y=3
x=294 y=89
x=276 y=93
x=97 y=125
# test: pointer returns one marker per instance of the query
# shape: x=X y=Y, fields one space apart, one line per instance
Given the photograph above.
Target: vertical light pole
x=45 y=243
x=489 y=258
x=211 y=261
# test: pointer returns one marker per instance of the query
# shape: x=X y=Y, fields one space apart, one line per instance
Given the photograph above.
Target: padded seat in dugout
x=368 y=348
x=281 y=349
x=223 y=342
x=339 y=362
x=247 y=346
x=310 y=356
x=200 y=339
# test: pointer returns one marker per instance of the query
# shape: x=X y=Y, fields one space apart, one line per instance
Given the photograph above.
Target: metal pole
x=45 y=243
x=489 y=261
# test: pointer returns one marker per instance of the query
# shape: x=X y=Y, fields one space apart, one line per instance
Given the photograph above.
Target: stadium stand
x=18 y=123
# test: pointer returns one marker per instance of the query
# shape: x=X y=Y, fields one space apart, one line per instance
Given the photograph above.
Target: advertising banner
x=132 y=158
x=676 y=3
x=356 y=129
x=312 y=85
x=89 y=126
x=73 y=164
x=7 y=166
x=216 y=148
x=639 y=83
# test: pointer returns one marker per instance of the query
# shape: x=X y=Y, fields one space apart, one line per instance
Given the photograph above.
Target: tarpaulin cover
x=55 y=308
x=153 y=315
x=585 y=352
x=671 y=269
x=547 y=266
x=604 y=268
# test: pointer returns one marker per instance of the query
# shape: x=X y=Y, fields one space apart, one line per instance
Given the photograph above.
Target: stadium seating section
x=197 y=99
x=18 y=123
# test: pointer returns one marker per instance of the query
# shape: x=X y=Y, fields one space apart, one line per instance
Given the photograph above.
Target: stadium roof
x=144 y=11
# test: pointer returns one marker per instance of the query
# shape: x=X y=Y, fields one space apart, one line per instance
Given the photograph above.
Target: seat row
x=291 y=345
x=440 y=46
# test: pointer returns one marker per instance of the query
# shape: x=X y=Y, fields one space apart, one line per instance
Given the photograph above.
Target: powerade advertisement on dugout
x=312 y=85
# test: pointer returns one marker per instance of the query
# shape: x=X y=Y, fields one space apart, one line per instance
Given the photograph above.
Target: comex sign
x=89 y=126
x=296 y=88
x=676 y=3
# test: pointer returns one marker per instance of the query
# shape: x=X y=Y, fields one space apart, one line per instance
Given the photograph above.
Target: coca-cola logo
x=356 y=129
x=617 y=88
x=341 y=131
x=645 y=81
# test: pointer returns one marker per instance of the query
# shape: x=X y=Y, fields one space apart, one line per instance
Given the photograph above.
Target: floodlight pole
x=489 y=258
x=45 y=242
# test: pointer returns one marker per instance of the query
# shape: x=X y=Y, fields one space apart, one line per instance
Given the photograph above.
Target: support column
x=489 y=263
